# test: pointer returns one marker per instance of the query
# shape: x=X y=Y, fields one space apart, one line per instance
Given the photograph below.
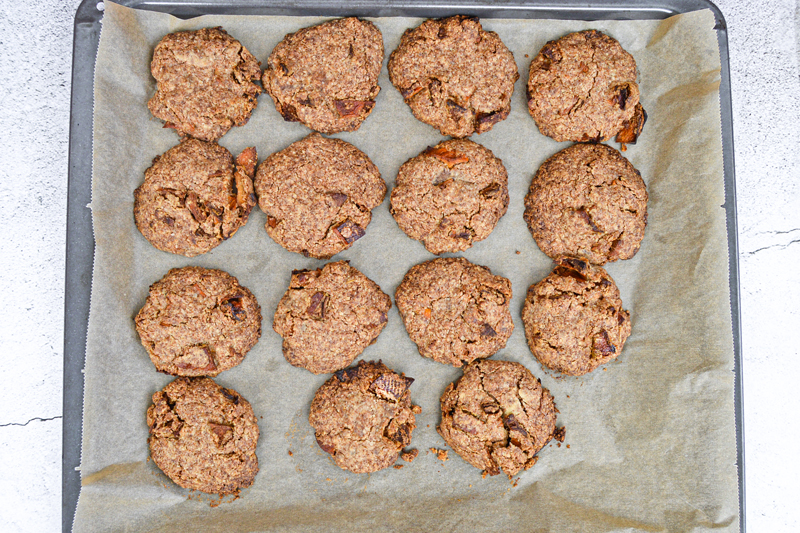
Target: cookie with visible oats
x=454 y=75
x=318 y=195
x=204 y=83
x=194 y=197
x=198 y=322
x=203 y=436
x=582 y=87
x=450 y=196
x=328 y=316
x=326 y=76
x=455 y=311
x=587 y=201
x=574 y=321
x=497 y=416
x=363 y=416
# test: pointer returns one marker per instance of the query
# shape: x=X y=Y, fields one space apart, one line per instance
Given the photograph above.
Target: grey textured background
x=35 y=62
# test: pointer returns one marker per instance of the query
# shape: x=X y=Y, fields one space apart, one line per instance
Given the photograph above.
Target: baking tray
x=80 y=240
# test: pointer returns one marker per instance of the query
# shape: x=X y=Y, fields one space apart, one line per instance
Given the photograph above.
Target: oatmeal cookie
x=573 y=318
x=329 y=316
x=326 y=76
x=587 y=201
x=497 y=416
x=582 y=87
x=450 y=196
x=203 y=436
x=455 y=311
x=318 y=195
x=198 y=322
x=363 y=416
x=205 y=83
x=454 y=75
x=194 y=197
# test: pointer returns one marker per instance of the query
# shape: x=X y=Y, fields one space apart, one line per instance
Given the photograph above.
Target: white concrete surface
x=35 y=62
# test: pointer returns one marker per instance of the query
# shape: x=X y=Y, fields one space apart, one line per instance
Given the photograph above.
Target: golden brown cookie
x=326 y=76
x=194 y=197
x=198 y=322
x=363 y=416
x=587 y=201
x=573 y=318
x=582 y=87
x=205 y=83
x=497 y=416
x=455 y=311
x=328 y=316
x=318 y=195
x=203 y=436
x=454 y=75
x=450 y=196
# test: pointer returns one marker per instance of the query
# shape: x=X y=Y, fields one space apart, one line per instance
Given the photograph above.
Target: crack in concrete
x=779 y=246
x=778 y=232
x=29 y=421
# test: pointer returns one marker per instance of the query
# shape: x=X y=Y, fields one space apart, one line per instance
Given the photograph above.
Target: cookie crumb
x=560 y=433
x=440 y=454
x=409 y=455
x=484 y=474
x=567 y=445
x=517 y=252
x=398 y=467
x=290 y=453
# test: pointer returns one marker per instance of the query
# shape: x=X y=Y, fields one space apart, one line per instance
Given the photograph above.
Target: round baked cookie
x=455 y=311
x=326 y=76
x=582 y=87
x=363 y=416
x=205 y=83
x=454 y=75
x=328 y=316
x=318 y=195
x=194 y=197
x=450 y=196
x=203 y=436
x=587 y=201
x=198 y=322
x=497 y=416
x=573 y=318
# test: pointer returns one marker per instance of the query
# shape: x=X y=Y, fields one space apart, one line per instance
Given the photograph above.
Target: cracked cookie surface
x=363 y=416
x=497 y=416
x=318 y=195
x=454 y=75
x=198 y=322
x=582 y=87
x=455 y=311
x=204 y=83
x=450 y=196
x=326 y=76
x=573 y=318
x=194 y=197
x=329 y=316
x=587 y=201
x=203 y=436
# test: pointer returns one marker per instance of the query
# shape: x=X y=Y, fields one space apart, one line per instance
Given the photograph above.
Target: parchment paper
x=651 y=441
